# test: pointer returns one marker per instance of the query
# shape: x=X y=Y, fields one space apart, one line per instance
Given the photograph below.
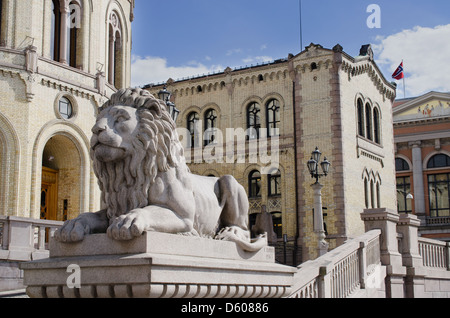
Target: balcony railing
x=438 y=221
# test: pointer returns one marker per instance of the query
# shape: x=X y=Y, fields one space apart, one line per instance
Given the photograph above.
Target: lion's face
x=114 y=132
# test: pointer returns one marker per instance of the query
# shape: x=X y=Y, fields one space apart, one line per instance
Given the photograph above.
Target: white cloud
x=257 y=59
x=233 y=51
x=156 y=69
x=425 y=52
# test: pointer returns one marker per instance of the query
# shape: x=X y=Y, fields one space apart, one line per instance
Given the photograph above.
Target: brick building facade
x=422 y=148
x=59 y=61
x=319 y=98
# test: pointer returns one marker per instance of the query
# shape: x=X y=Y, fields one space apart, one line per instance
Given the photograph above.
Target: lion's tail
x=254 y=245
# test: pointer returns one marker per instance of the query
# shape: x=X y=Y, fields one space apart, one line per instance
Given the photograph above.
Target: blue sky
x=178 y=38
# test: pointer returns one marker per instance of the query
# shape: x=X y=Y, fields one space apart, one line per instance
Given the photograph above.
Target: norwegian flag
x=398 y=74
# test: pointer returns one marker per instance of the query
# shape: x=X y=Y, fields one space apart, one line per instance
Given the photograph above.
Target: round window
x=65 y=108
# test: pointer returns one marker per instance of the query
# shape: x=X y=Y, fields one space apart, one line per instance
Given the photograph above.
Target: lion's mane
x=125 y=184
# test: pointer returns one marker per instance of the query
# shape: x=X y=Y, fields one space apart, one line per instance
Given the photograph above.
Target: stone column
x=386 y=221
x=63 y=38
x=111 y=59
x=419 y=192
x=408 y=227
x=322 y=246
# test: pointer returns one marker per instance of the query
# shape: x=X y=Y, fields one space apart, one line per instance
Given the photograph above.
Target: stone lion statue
x=146 y=184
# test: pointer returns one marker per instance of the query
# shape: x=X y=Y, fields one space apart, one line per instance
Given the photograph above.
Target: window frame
x=256 y=115
x=68 y=103
x=435 y=183
x=277 y=178
x=253 y=180
x=192 y=120
x=273 y=107
x=211 y=124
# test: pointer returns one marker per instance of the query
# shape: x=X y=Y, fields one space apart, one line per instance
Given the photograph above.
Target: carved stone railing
x=435 y=254
x=438 y=221
x=24 y=239
x=341 y=272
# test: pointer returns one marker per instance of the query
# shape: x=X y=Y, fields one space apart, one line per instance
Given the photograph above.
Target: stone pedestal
x=156 y=265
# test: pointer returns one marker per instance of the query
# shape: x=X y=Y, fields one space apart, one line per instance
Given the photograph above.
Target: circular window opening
x=65 y=108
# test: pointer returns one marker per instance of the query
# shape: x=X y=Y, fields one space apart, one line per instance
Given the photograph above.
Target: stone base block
x=156 y=265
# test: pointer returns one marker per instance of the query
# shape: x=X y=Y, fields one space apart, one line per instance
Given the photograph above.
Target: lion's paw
x=127 y=227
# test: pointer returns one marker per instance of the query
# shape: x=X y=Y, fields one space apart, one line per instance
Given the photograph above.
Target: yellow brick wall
x=29 y=116
x=325 y=99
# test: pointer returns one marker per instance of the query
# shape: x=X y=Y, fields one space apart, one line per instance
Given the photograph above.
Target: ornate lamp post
x=164 y=95
x=313 y=167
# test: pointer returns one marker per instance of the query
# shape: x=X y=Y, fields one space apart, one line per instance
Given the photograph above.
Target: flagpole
x=301 y=27
x=404 y=87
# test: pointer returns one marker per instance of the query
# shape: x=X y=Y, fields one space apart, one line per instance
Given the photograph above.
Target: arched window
x=275 y=183
x=115 y=51
x=439 y=161
x=360 y=118
x=378 y=195
x=401 y=165
x=210 y=126
x=74 y=35
x=254 y=184
x=372 y=195
x=404 y=205
x=254 y=120
x=192 y=125
x=55 y=48
x=273 y=118
x=366 y=192
x=65 y=37
x=368 y=122
x=376 y=126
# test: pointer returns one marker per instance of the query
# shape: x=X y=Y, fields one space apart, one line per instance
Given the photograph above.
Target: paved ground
x=14 y=294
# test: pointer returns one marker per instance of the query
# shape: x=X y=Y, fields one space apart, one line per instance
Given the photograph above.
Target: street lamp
x=313 y=167
x=164 y=95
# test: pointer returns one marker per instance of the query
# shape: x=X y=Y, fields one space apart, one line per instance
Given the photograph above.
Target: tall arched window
x=192 y=125
x=210 y=126
x=115 y=50
x=55 y=48
x=360 y=118
x=368 y=122
x=254 y=184
x=273 y=118
x=372 y=195
x=254 y=120
x=65 y=37
x=275 y=183
x=366 y=192
x=74 y=35
x=404 y=205
x=376 y=126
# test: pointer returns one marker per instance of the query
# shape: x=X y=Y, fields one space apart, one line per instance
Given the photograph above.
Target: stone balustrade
x=343 y=271
x=435 y=254
x=24 y=239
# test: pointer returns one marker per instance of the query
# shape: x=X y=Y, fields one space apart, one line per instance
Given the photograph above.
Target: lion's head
x=134 y=139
